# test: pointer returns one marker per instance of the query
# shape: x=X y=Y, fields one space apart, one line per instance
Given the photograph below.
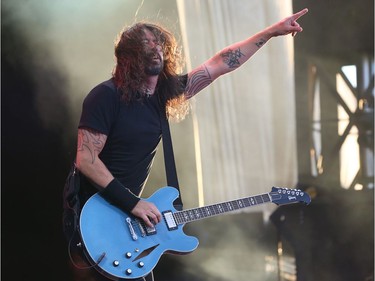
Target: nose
x=157 y=46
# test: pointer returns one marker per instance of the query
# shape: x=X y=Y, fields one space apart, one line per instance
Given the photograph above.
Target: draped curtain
x=244 y=123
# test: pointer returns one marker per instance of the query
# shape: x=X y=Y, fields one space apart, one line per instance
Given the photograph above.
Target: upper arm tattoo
x=231 y=58
x=198 y=80
x=91 y=142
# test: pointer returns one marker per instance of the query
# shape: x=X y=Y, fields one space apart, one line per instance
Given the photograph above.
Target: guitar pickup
x=145 y=230
x=150 y=230
x=170 y=221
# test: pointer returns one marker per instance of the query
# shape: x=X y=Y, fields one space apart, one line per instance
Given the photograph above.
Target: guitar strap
x=170 y=165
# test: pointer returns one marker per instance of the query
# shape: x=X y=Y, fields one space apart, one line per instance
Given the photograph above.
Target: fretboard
x=190 y=215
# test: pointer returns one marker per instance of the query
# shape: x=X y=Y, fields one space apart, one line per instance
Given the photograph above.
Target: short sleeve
x=99 y=109
x=183 y=82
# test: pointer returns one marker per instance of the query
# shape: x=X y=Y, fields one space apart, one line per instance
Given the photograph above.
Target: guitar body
x=120 y=246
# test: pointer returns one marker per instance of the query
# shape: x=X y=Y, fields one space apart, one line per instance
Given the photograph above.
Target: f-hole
x=146 y=252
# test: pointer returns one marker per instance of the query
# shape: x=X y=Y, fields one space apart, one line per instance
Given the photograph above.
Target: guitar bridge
x=131 y=229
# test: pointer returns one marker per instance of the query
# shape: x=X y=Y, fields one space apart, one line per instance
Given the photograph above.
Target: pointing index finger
x=299 y=14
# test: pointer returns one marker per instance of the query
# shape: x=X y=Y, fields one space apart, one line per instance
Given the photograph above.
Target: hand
x=147 y=212
x=288 y=25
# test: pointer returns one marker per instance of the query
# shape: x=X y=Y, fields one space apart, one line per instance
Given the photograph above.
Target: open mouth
x=156 y=57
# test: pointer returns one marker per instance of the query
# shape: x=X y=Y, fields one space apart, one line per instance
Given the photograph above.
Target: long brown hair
x=129 y=75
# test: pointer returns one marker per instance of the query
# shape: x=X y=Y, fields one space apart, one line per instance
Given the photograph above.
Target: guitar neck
x=190 y=215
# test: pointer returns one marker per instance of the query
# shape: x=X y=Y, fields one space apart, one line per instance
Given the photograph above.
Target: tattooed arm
x=235 y=55
x=90 y=144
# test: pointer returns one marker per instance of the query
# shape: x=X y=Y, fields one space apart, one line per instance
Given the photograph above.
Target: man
x=120 y=127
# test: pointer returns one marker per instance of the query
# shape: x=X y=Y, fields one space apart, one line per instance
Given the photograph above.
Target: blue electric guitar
x=120 y=246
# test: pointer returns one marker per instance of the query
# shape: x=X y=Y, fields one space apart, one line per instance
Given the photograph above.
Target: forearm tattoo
x=91 y=142
x=198 y=80
x=231 y=58
x=260 y=43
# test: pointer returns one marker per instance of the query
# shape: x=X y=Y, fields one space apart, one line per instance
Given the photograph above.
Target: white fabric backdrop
x=245 y=121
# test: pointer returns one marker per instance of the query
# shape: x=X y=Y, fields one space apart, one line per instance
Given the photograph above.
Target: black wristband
x=120 y=196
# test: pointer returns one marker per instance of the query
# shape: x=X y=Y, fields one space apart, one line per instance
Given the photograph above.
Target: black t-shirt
x=133 y=132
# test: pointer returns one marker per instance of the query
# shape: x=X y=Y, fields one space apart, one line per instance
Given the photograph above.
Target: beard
x=154 y=63
x=154 y=69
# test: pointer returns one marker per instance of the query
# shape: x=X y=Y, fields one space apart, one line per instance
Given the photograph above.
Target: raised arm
x=235 y=55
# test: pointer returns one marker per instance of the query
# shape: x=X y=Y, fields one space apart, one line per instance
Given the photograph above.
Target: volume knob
x=128 y=271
